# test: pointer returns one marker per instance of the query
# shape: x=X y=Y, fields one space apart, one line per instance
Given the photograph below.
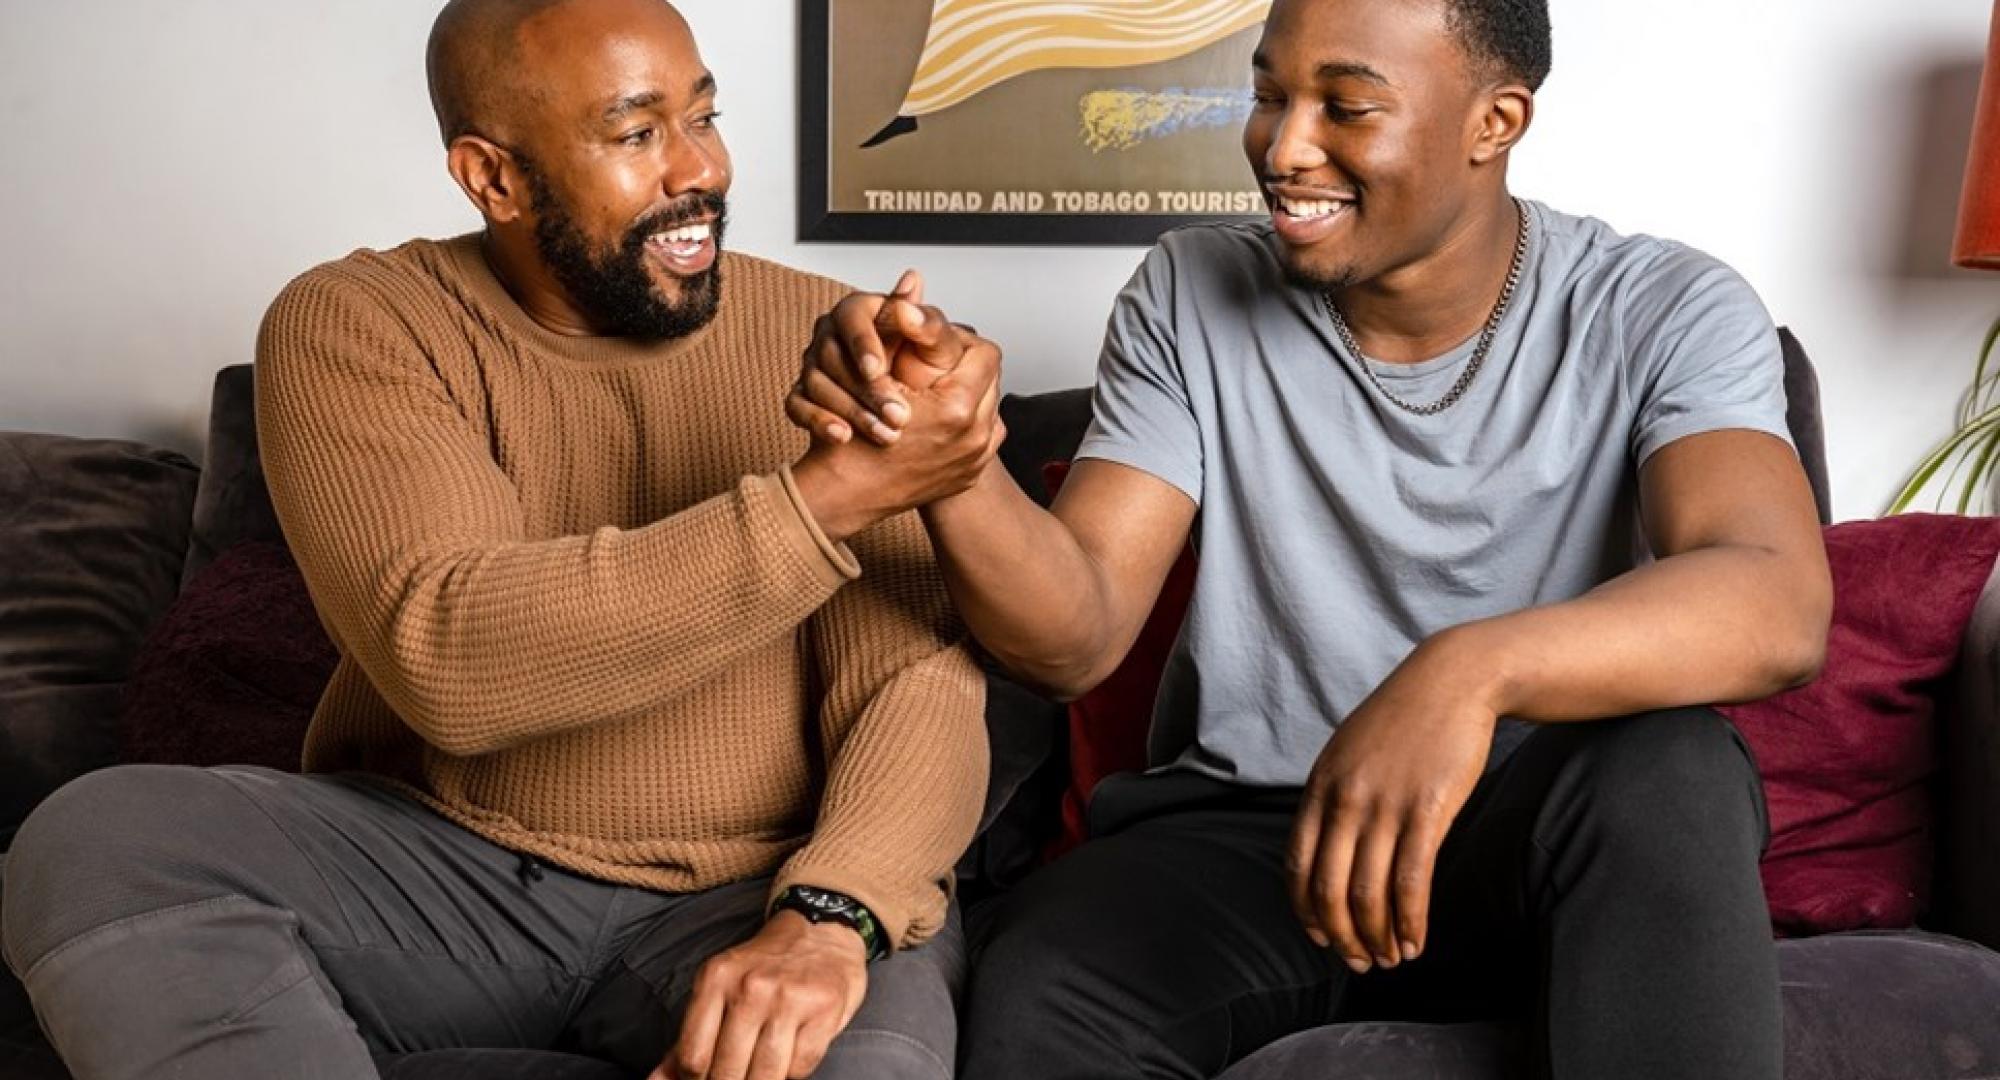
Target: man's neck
x=1426 y=308
x=533 y=287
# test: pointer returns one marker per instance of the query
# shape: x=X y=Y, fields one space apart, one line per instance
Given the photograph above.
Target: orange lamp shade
x=1977 y=245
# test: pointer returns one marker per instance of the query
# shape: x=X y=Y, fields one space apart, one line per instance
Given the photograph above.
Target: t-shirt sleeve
x=1709 y=356
x=1142 y=416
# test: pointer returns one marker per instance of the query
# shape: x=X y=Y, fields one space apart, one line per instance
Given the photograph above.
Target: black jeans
x=1601 y=886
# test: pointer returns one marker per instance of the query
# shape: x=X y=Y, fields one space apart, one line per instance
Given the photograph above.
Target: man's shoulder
x=419 y=272
x=1217 y=244
x=1195 y=267
x=1592 y=251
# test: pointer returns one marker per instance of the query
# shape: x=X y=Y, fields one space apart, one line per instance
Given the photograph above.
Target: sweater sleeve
x=903 y=724
x=413 y=543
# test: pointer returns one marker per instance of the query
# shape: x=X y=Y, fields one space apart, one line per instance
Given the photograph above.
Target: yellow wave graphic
x=974 y=45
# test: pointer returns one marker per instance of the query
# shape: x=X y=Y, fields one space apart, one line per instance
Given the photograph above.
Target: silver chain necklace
x=1479 y=351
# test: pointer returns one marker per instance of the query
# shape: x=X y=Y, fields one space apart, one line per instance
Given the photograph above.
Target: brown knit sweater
x=579 y=605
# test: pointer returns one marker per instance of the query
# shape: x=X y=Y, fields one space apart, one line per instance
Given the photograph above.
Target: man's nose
x=692 y=166
x=1293 y=149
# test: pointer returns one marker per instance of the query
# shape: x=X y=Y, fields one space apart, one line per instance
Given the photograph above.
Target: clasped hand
x=923 y=391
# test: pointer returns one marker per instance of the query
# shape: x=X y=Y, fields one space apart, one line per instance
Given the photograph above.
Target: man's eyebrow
x=1332 y=69
x=632 y=103
x=646 y=99
x=1348 y=69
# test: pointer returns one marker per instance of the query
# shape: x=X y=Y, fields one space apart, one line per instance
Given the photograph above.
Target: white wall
x=165 y=168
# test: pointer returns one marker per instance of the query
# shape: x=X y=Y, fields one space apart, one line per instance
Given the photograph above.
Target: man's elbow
x=454 y=723
x=1063 y=678
x=453 y=732
x=1801 y=655
x=1802 y=661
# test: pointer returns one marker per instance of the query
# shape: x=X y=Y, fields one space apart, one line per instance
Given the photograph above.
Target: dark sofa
x=1905 y=1004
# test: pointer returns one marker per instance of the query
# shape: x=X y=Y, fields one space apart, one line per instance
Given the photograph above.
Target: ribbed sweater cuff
x=906 y=928
x=835 y=564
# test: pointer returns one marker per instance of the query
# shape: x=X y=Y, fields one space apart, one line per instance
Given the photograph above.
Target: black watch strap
x=824 y=905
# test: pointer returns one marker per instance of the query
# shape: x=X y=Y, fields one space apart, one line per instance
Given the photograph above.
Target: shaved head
x=470 y=63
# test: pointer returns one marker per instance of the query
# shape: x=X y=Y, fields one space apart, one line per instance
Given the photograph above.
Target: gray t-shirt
x=1336 y=531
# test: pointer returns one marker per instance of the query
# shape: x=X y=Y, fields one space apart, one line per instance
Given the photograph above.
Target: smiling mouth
x=1307 y=209
x=684 y=250
x=683 y=242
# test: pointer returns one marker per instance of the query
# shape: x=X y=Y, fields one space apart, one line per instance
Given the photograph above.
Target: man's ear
x=488 y=175
x=1504 y=115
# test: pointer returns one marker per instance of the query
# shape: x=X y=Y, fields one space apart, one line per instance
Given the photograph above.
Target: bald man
x=652 y=735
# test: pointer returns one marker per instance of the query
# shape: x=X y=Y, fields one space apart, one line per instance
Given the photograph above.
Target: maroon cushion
x=1849 y=760
x=232 y=673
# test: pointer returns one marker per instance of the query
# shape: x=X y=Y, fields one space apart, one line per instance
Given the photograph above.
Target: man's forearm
x=1718 y=624
x=906 y=779
x=1026 y=588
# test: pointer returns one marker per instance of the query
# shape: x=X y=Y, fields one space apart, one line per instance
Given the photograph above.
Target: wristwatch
x=825 y=905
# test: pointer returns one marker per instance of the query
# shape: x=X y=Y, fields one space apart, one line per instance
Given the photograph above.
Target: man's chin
x=681 y=295
x=1316 y=275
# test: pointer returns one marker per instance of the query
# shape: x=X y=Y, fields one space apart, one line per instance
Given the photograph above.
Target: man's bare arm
x=1735 y=608
x=1058 y=596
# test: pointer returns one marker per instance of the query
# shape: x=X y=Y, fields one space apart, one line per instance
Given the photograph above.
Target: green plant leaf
x=1981 y=467
x=1973 y=449
x=1936 y=459
x=1984 y=377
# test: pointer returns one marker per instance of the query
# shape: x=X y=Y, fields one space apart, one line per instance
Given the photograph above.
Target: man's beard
x=613 y=288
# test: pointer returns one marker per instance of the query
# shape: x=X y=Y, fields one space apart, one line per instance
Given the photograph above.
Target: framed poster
x=1023 y=121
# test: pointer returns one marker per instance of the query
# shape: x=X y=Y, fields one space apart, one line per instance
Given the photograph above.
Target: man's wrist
x=837 y=506
x=825 y=907
x=1474 y=662
x=967 y=504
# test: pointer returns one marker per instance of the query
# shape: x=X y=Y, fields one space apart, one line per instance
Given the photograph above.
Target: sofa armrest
x=1968 y=866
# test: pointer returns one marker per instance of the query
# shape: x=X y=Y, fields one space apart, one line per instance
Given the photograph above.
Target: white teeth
x=687 y=234
x=1309 y=208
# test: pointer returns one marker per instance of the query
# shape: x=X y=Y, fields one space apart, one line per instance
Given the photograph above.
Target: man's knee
x=108 y=844
x=881 y=1054
x=1670 y=780
x=1042 y=966
x=907 y=1028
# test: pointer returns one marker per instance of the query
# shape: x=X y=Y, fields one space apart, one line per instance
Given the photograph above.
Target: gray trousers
x=231 y=922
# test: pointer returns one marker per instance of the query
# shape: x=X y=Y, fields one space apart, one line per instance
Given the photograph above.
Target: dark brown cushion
x=93 y=532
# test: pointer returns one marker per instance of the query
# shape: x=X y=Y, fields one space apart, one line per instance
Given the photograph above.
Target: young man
x=625 y=752
x=1411 y=423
